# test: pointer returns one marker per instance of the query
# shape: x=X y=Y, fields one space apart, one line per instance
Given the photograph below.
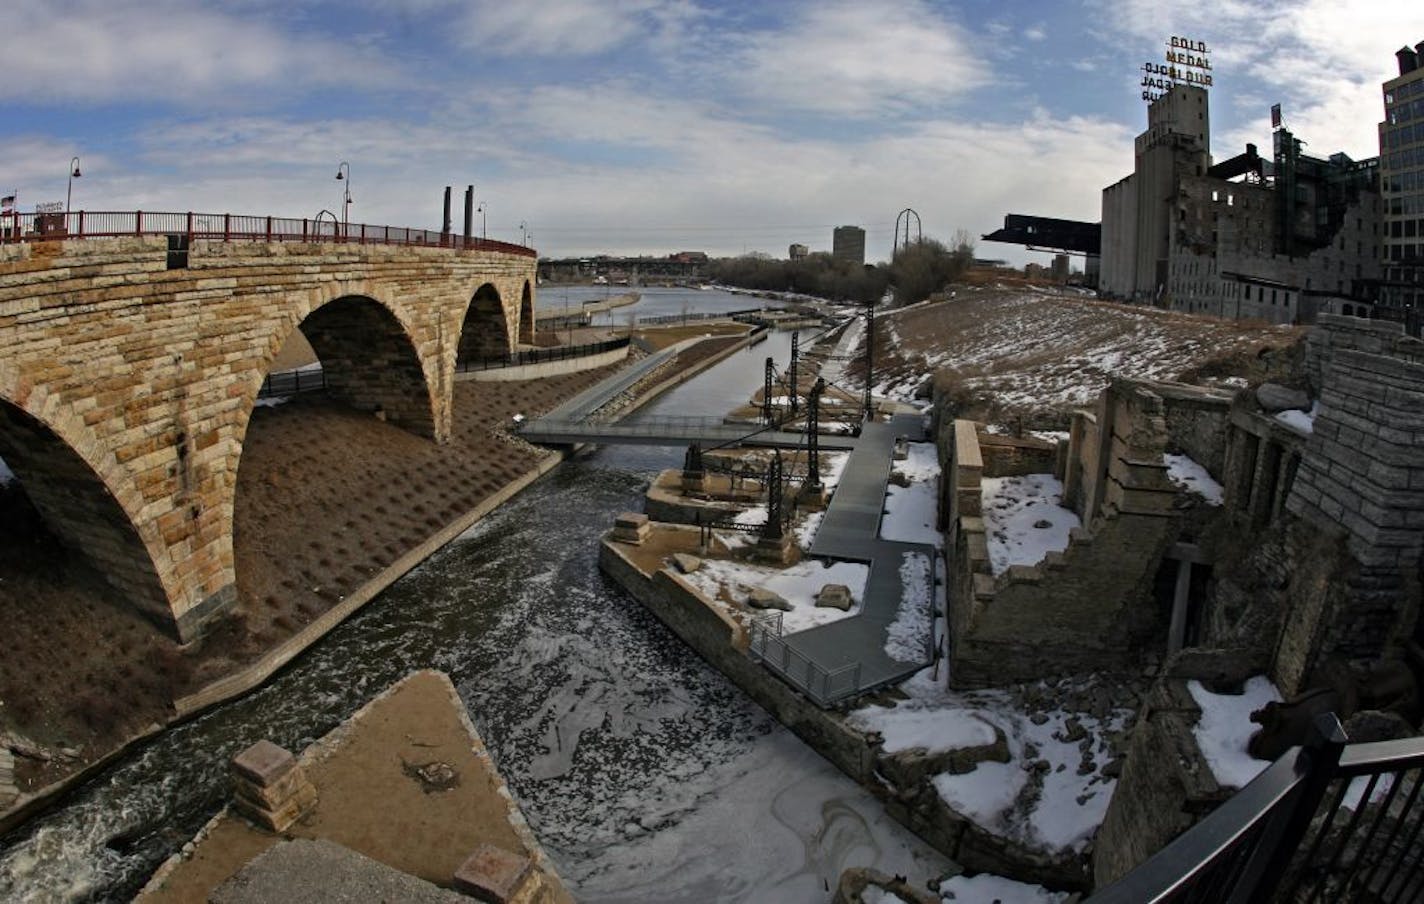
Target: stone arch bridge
x=128 y=376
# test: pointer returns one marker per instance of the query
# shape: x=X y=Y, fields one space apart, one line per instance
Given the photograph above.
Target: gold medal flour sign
x=1186 y=63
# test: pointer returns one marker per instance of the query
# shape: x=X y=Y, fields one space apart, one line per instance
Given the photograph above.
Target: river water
x=645 y=773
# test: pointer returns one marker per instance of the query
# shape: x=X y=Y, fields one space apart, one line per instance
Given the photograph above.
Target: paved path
x=851 y=530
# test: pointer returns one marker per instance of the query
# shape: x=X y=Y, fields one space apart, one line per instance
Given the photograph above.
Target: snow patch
x=1300 y=421
x=906 y=728
x=1226 y=726
x=1012 y=507
x=797 y=585
x=1189 y=475
x=907 y=637
x=987 y=887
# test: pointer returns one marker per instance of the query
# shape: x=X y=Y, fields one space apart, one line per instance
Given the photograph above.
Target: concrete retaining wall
x=545 y=369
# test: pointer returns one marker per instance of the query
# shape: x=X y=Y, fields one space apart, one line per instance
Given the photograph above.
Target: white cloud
x=1036 y=33
x=859 y=59
x=163 y=50
x=575 y=27
x=1323 y=59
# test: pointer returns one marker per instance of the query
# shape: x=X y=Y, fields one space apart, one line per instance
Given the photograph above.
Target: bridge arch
x=369 y=356
x=484 y=332
x=526 y=315
x=84 y=496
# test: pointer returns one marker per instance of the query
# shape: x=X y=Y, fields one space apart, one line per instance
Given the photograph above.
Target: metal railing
x=1326 y=822
x=228 y=227
x=291 y=382
x=824 y=687
x=540 y=355
x=694 y=316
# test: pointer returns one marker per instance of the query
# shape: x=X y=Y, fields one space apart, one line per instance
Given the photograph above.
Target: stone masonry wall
x=1088 y=607
x=1362 y=472
x=149 y=375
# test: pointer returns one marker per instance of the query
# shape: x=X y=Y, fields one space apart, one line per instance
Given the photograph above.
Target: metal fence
x=540 y=355
x=291 y=382
x=824 y=687
x=1326 y=822
x=695 y=316
x=228 y=227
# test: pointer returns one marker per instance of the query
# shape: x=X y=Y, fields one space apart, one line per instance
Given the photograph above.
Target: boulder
x=761 y=598
x=1376 y=725
x=686 y=562
x=1273 y=397
x=835 y=596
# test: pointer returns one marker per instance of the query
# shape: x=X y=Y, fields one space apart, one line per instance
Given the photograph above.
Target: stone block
x=263 y=764
x=632 y=528
x=835 y=596
x=761 y=598
x=280 y=818
x=776 y=551
x=685 y=562
x=494 y=875
x=270 y=797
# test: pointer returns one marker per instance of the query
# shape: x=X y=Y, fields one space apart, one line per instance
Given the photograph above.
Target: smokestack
x=1408 y=59
x=445 y=227
x=469 y=212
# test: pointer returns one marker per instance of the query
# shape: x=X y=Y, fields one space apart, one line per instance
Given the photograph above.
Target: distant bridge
x=134 y=356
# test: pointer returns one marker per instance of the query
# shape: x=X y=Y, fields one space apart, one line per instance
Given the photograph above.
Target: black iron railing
x=1326 y=822
x=540 y=355
x=291 y=382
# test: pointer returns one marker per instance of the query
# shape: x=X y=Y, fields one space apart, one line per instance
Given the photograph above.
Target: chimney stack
x=1408 y=59
x=445 y=223
x=469 y=212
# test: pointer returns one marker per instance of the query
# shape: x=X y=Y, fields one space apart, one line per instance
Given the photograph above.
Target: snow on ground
x=1226 y=726
x=907 y=637
x=987 y=887
x=797 y=585
x=1070 y=806
x=272 y=401
x=911 y=512
x=1189 y=475
x=1301 y=421
x=876 y=895
x=1035 y=352
x=1014 y=509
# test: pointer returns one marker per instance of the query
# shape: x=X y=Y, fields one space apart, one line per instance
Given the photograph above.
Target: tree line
x=918 y=269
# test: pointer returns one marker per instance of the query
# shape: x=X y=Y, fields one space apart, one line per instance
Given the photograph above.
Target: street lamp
x=484 y=233
x=524 y=233
x=346 y=195
x=69 y=192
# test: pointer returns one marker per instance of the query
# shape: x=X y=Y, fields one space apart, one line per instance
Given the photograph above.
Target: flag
x=1275 y=116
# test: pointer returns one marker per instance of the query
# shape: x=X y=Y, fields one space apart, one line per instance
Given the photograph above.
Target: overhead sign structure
x=1187 y=63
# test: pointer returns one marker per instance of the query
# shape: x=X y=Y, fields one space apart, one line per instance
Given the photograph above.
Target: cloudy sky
x=655 y=125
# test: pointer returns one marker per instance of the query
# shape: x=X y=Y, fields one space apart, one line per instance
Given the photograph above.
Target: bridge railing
x=1325 y=822
x=229 y=227
x=541 y=355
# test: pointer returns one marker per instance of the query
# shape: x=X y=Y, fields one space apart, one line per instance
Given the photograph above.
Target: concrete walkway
x=851 y=530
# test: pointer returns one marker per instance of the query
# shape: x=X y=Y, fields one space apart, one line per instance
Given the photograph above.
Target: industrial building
x=1277 y=240
x=848 y=244
x=1401 y=140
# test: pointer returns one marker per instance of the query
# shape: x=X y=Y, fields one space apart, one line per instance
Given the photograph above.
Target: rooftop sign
x=1186 y=63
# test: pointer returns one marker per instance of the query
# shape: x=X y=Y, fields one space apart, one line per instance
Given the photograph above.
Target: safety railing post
x=81 y=223
x=269 y=229
x=227 y=227
x=138 y=222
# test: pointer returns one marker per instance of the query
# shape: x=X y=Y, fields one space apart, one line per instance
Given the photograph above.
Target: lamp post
x=69 y=192
x=524 y=233
x=346 y=195
x=484 y=232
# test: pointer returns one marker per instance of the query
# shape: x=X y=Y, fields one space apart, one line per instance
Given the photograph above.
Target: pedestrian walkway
x=844 y=658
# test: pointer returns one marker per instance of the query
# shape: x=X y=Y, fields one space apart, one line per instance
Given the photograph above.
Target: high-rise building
x=1401 y=141
x=848 y=244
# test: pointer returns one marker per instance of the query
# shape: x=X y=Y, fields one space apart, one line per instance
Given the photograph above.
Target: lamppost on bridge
x=346 y=195
x=69 y=192
x=524 y=233
x=484 y=233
